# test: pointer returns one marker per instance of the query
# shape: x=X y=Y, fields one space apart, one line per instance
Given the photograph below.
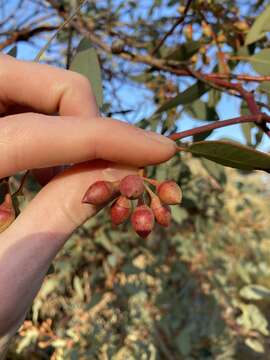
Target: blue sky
x=227 y=108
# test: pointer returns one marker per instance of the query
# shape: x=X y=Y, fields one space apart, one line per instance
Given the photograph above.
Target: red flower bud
x=143 y=220
x=7 y=213
x=169 y=192
x=120 y=210
x=100 y=192
x=132 y=186
x=162 y=212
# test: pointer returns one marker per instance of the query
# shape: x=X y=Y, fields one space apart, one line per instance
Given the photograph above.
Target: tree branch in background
x=175 y=25
x=217 y=81
x=24 y=35
x=256 y=118
x=69 y=47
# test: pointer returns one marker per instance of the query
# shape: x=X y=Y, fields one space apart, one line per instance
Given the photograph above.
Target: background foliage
x=201 y=289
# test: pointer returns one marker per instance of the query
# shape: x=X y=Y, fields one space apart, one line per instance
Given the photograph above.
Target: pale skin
x=33 y=137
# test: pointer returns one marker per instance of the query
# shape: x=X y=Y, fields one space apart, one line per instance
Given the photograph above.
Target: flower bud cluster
x=133 y=188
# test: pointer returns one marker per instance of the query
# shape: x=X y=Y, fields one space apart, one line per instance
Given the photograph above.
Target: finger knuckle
x=81 y=82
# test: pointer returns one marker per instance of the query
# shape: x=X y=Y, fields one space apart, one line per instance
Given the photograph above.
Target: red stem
x=258 y=118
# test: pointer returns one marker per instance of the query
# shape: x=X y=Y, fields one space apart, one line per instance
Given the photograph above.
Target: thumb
x=30 y=244
x=57 y=208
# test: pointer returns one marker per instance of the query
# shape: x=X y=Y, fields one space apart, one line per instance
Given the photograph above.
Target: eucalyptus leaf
x=13 y=51
x=252 y=318
x=261 y=62
x=202 y=136
x=264 y=87
x=214 y=97
x=202 y=111
x=191 y=94
x=184 y=51
x=84 y=44
x=179 y=214
x=86 y=63
x=231 y=154
x=259 y=28
x=255 y=345
x=255 y=292
x=246 y=129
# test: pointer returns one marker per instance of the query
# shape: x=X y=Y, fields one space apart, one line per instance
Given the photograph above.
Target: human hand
x=31 y=138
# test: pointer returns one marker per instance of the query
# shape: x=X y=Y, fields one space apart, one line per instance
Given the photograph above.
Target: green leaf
x=191 y=94
x=252 y=318
x=185 y=51
x=255 y=345
x=255 y=292
x=231 y=154
x=179 y=214
x=84 y=44
x=78 y=287
x=13 y=51
x=261 y=62
x=202 y=111
x=259 y=27
x=245 y=50
x=202 y=136
x=246 y=127
x=214 y=97
x=86 y=63
x=264 y=87
x=183 y=342
x=244 y=108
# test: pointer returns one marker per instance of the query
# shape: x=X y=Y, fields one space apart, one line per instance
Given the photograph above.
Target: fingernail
x=160 y=138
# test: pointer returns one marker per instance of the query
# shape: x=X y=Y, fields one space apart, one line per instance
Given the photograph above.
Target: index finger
x=44 y=89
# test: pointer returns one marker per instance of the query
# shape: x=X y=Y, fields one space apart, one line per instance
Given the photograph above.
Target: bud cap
x=169 y=192
x=120 y=210
x=99 y=193
x=143 y=220
x=132 y=186
x=161 y=211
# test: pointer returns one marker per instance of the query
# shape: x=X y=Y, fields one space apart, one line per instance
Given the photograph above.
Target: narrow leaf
x=202 y=136
x=261 y=62
x=84 y=44
x=255 y=345
x=86 y=63
x=202 y=111
x=13 y=51
x=185 y=51
x=191 y=94
x=231 y=154
x=259 y=27
x=246 y=127
x=255 y=292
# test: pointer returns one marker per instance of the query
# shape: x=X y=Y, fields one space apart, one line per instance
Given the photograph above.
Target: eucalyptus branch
x=175 y=25
x=86 y=29
x=69 y=47
x=67 y=21
x=24 y=35
x=256 y=118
